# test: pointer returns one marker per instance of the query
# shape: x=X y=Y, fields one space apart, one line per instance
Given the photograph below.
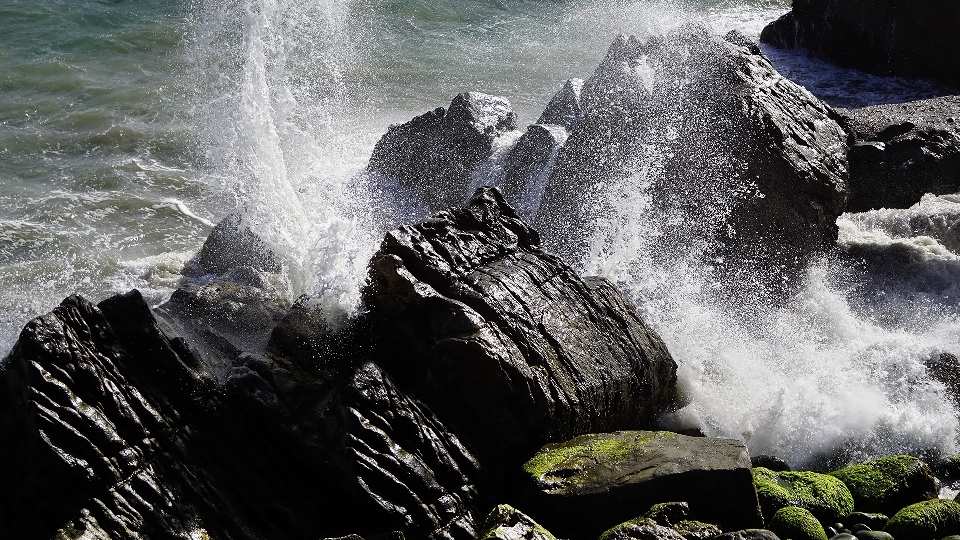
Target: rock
x=231 y=244
x=796 y=523
x=700 y=118
x=669 y=513
x=873 y=535
x=696 y=530
x=434 y=154
x=564 y=109
x=528 y=167
x=888 y=484
x=599 y=480
x=507 y=343
x=873 y=520
x=640 y=529
x=749 y=534
x=902 y=151
x=945 y=367
x=114 y=429
x=769 y=462
x=947 y=468
x=884 y=37
x=927 y=520
x=839 y=535
x=507 y=523
x=823 y=495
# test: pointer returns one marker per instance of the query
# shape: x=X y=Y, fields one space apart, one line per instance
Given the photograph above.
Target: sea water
x=128 y=128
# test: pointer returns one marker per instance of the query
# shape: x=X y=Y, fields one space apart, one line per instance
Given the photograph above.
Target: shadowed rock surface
x=903 y=151
x=885 y=37
x=507 y=343
x=755 y=134
x=434 y=154
x=600 y=480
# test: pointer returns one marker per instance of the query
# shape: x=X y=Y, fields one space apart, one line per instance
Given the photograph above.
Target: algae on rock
x=823 y=495
x=926 y=520
x=797 y=524
x=887 y=484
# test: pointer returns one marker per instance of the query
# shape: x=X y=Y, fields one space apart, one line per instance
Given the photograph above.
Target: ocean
x=127 y=129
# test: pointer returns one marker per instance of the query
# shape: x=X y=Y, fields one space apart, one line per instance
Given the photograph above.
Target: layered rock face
x=902 y=151
x=758 y=166
x=885 y=37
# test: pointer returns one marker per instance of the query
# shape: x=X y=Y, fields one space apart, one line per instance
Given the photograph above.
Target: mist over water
x=272 y=107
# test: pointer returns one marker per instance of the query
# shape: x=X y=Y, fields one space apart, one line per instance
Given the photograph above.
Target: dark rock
x=888 y=484
x=823 y=495
x=885 y=37
x=434 y=154
x=867 y=534
x=903 y=151
x=669 y=513
x=507 y=523
x=594 y=481
x=696 y=530
x=945 y=367
x=751 y=159
x=839 y=535
x=507 y=343
x=748 y=534
x=873 y=520
x=797 y=524
x=231 y=244
x=927 y=520
x=528 y=167
x=640 y=529
x=114 y=429
x=831 y=532
x=564 y=109
x=769 y=462
x=947 y=468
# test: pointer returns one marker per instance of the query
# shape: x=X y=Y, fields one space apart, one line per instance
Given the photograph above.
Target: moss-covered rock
x=797 y=524
x=826 y=497
x=888 y=484
x=669 y=513
x=696 y=530
x=641 y=528
x=507 y=523
x=927 y=520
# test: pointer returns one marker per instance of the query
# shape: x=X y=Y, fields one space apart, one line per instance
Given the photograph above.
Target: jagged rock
x=696 y=530
x=707 y=127
x=903 y=151
x=230 y=244
x=595 y=481
x=564 y=108
x=434 y=154
x=887 y=484
x=668 y=513
x=528 y=167
x=886 y=37
x=114 y=429
x=640 y=529
x=507 y=523
x=749 y=534
x=506 y=343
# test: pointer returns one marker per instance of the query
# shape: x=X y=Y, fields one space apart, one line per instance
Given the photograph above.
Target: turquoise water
x=128 y=128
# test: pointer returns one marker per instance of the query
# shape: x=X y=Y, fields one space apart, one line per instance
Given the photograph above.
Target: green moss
x=925 y=520
x=639 y=522
x=696 y=530
x=610 y=447
x=889 y=483
x=823 y=495
x=797 y=524
x=507 y=523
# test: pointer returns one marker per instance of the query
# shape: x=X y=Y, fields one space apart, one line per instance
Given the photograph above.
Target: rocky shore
x=486 y=390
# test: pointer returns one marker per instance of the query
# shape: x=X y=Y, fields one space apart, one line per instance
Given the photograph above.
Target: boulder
x=564 y=108
x=595 y=481
x=885 y=485
x=749 y=534
x=231 y=243
x=884 y=37
x=927 y=520
x=796 y=523
x=507 y=523
x=903 y=151
x=823 y=495
x=114 y=427
x=640 y=529
x=716 y=138
x=769 y=462
x=505 y=342
x=434 y=154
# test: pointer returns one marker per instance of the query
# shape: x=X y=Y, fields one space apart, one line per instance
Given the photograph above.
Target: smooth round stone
x=837 y=526
x=874 y=535
x=859 y=527
x=831 y=532
x=843 y=536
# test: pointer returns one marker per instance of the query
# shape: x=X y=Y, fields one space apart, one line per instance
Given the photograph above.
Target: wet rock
x=599 y=480
x=640 y=529
x=507 y=343
x=434 y=154
x=796 y=523
x=945 y=367
x=564 y=108
x=903 y=151
x=873 y=520
x=884 y=37
x=754 y=134
x=748 y=534
x=888 y=484
x=528 y=167
x=927 y=520
x=507 y=523
x=231 y=244
x=769 y=462
x=867 y=534
x=823 y=495
x=947 y=468
x=696 y=530
x=669 y=513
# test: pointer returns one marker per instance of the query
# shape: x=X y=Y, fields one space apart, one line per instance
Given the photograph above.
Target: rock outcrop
x=434 y=154
x=710 y=129
x=506 y=342
x=885 y=37
x=903 y=151
x=885 y=485
x=600 y=480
